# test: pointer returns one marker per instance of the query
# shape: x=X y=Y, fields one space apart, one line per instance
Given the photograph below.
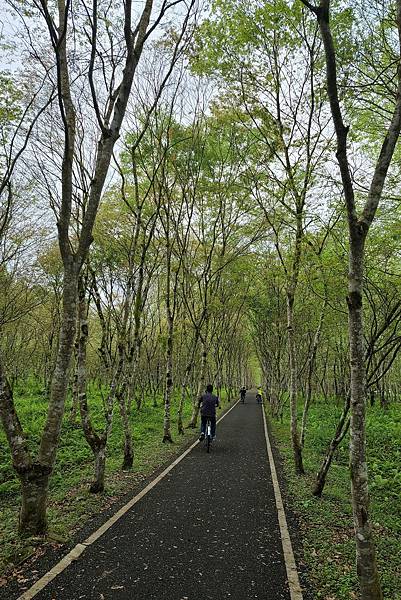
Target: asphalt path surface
x=208 y=530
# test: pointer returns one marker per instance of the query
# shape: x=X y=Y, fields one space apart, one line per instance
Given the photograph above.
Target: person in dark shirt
x=208 y=402
x=242 y=394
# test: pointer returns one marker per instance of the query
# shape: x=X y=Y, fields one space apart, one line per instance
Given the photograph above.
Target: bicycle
x=208 y=435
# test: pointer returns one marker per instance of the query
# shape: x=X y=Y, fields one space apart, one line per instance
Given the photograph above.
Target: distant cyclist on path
x=242 y=394
x=208 y=402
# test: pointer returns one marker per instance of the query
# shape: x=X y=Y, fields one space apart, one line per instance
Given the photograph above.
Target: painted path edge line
x=80 y=548
x=289 y=559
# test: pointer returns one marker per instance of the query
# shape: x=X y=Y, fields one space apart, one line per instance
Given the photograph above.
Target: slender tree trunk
x=135 y=351
x=100 y=468
x=122 y=376
x=200 y=389
x=74 y=392
x=185 y=383
x=311 y=368
x=184 y=393
x=296 y=445
x=72 y=264
x=169 y=382
x=308 y=400
x=96 y=442
x=128 y=459
x=341 y=431
x=365 y=549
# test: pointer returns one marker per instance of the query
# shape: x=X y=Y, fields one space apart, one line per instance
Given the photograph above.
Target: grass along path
x=326 y=524
x=70 y=503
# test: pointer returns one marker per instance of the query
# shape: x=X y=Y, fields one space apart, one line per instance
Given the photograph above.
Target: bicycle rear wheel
x=208 y=436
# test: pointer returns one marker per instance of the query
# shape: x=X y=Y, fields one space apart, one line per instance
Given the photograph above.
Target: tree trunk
x=169 y=382
x=365 y=549
x=97 y=443
x=74 y=392
x=128 y=459
x=35 y=480
x=34 y=477
x=184 y=387
x=201 y=387
x=34 y=489
x=341 y=431
x=311 y=368
x=296 y=446
x=100 y=468
x=185 y=383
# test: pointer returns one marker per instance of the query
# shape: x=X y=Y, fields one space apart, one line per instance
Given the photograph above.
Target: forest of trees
x=198 y=193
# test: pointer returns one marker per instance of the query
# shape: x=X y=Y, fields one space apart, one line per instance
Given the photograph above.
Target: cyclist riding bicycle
x=259 y=395
x=208 y=403
x=242 y=394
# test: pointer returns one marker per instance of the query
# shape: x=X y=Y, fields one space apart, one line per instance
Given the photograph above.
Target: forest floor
x=326 y=524
x=208 y=529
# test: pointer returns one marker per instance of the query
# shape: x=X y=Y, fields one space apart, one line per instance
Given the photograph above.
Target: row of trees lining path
x=212 y=519
x=185 y=197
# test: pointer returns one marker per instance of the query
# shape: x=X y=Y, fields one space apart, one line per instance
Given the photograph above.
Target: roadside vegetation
x=326 y=524
x=71 y=504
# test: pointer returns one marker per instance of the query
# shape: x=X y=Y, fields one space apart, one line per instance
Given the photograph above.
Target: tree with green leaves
x=359 y=223
x=281 y=106
x=108 y=100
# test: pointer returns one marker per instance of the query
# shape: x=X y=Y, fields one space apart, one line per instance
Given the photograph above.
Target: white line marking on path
x=290 y=565
x=80 y=548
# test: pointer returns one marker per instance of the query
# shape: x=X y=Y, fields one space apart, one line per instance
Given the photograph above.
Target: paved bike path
x=208 y=530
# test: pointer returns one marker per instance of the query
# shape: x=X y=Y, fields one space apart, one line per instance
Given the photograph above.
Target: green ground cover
x=70 y=503
x=326 y=523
